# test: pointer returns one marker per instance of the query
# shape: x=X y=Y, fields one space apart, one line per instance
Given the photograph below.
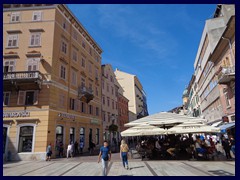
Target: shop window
x=82 y=134
x=72 y=135
x=59 y=136
x=97 y=136
x=25 y=139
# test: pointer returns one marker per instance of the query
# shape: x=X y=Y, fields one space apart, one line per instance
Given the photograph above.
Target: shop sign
x=16 y=114
x=94 y=121
x=68 y=116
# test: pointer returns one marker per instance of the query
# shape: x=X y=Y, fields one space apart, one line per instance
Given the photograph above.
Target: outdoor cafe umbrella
x=143 y=130
x=189 y=127
x=164 y=119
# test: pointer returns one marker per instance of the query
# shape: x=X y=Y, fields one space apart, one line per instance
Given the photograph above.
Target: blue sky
x=158 y=43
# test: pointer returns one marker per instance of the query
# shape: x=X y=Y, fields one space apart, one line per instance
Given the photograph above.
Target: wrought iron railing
x=18 y=75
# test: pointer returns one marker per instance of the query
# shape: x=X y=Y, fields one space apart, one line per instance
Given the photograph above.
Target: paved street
x=87 y=166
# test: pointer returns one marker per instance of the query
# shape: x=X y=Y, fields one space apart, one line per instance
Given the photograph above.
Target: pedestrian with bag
x=124 y=153
x=70 y=150
x=49 y=152
x=105 y=156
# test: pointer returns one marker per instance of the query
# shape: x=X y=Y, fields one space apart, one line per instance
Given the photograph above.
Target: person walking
x=124 y=153
x=81 y=147
x=69 y=150
x=105 y=156
x=76 y=148
x=49 y=152
x=226 y=147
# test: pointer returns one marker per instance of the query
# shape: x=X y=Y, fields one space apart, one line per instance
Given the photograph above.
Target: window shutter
x=35 y=98
x=21 y=97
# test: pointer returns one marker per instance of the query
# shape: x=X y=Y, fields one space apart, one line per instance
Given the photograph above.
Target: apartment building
x=51 y=81
x=109 y=102
x=207 y=81
x=122 y=109
x=134 y=92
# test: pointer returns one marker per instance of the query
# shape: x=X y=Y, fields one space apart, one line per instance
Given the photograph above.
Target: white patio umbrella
x=143 y=130
x=164 y=119
x=189 y=127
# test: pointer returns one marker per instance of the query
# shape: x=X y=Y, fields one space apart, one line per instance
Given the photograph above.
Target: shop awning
x=227 y=126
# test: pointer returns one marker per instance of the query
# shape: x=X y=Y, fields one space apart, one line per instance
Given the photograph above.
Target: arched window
x=72 y=135
x=82 y=134
x=59 y=136
x=25 y=139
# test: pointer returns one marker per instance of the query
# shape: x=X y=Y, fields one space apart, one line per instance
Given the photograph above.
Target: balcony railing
x=22 y=75
x=226 y=75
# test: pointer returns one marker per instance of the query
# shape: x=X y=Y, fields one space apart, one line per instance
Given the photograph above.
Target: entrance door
x=90 y=136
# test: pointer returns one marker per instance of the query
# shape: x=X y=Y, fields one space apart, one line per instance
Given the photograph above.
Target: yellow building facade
x=51 y=81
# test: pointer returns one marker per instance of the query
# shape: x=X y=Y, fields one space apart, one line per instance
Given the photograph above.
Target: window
x=64 y=25
x=90 y=68
x=96 y=73
x=82 y=134
x=32 y=64
x=63 y=71
x=103 y=98
x=107 y=87
x=227 y=98
x=37 y=16
x=25 y=139
x=72 y=135
x=28 y=97
x=83 y=44
x=72 y=104
x=104 y=115
x=90 y=86
x=64 y=47
x=90 y=109
x=97 y=136
x=59 y=136
x=83 y=84
x=74 y=78
x=112 y=90
x=15 y=17
x=12 y=40
x=112 y=104
x=75 y=55
x=83 y=107
x=108 y=101
x=61 y=101
x=111 y=79
x=6 y=98
x=83 y=62
x=9 y=66
x=97 y=111
x=35 y=39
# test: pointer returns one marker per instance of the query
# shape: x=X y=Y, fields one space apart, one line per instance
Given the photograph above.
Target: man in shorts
x=105 y=155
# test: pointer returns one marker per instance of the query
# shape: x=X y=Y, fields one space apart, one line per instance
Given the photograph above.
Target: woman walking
x=124 y=153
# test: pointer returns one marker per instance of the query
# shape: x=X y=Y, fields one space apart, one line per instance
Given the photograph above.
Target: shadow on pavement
x=221 y=173
x=136 y=167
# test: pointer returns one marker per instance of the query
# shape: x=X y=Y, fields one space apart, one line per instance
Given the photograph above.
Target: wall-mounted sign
x=16 y=114
x=68 y=116
x=94 y=121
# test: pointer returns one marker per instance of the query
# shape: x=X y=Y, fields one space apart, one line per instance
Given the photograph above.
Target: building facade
x=51 y=80
x=134 y=92
x=122 y=110
x=207 y=83
x=109 y=102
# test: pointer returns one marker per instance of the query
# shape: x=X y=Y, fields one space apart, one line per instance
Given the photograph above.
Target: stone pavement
x=87 y=166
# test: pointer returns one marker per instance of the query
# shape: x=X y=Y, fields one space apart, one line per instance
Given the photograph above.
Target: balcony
x=22 y=80
x=226 y=75
x=85 y=94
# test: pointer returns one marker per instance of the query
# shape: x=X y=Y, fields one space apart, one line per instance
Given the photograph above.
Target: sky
x=157 y=43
